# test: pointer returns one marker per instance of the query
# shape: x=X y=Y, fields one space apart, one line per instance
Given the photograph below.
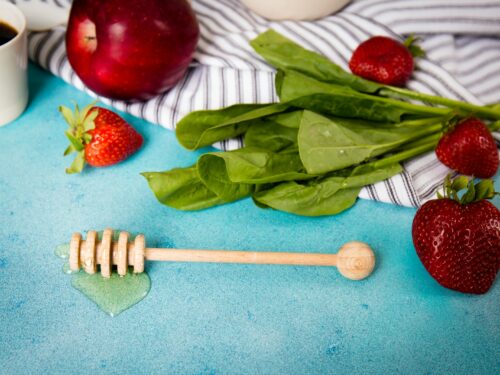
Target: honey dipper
x=355 y=260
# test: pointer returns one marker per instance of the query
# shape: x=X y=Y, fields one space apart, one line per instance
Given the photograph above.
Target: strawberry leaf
x=87 y=138
x=88 y=123
x=484 y=190
x=68 y=115
x=69 y=150
x=415 y=49
x=74 y=141
x=470 y=194
x=459 y=183
x=447 y=186
x=77 y=112
x=77 y=165
x=85 y=111
x=80 y=122
x=453 y=119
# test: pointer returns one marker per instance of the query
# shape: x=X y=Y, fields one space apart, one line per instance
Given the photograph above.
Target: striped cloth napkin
x=461 y=39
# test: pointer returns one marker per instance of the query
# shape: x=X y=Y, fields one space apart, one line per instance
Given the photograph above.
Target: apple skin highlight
x=131 y=50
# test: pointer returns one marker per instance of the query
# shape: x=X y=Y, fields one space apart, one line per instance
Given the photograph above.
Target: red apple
x=133 y=49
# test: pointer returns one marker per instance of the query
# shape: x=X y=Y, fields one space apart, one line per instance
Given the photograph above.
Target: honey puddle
x=113 y=295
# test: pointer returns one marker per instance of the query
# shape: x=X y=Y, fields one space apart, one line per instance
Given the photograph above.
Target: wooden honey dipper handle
x=355 y=260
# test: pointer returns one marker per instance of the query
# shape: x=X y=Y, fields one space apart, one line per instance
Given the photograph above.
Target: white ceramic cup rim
x=17 y=12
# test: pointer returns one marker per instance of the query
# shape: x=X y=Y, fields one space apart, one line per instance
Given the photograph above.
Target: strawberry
x=458 y=239
x=385 y=60
x=99 y=137
x=469 y=148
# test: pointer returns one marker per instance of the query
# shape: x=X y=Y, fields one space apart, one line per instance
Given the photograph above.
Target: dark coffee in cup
x=7 y=33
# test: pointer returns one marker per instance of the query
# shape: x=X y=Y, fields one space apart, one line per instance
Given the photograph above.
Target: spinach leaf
x=271 y=136
x=329 y=144
x=181 y=188
x=285 y=54
x=227 y=171
x=289 y=119
x=370 y=173
x=308 y=200
x=278 y=81
x=305 y=92
x=214 y=174
x=203 y=128
x=324 y=196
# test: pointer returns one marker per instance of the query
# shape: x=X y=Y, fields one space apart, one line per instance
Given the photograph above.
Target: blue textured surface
x=206 y=318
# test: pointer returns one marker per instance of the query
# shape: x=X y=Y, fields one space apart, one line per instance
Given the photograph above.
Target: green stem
x=429 y=133
x=339 y=89
x=419 y=147
x=396 y=92
x=433 y=137
x=408 y=154
x=434 y=128
x=494 y=126
x=415 y=108
x=422 y=122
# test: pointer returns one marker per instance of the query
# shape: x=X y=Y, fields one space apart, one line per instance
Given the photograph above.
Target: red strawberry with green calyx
x=458 y=238
x=385 y=60
x=469 y=148
x=99 y=137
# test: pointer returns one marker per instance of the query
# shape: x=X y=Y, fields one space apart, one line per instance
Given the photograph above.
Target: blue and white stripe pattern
x=461 y=39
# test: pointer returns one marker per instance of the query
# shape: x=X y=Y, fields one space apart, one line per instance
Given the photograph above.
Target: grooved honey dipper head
x=107 y=252
x=355 y=260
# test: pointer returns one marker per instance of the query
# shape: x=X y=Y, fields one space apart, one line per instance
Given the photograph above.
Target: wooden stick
x=242 y=257
x=355 y=260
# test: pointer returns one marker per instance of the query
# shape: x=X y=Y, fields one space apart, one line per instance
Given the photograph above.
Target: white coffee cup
x=294 y=9
x=13 y=65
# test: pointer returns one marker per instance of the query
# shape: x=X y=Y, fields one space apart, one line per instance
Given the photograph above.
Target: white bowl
x=294 y=9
